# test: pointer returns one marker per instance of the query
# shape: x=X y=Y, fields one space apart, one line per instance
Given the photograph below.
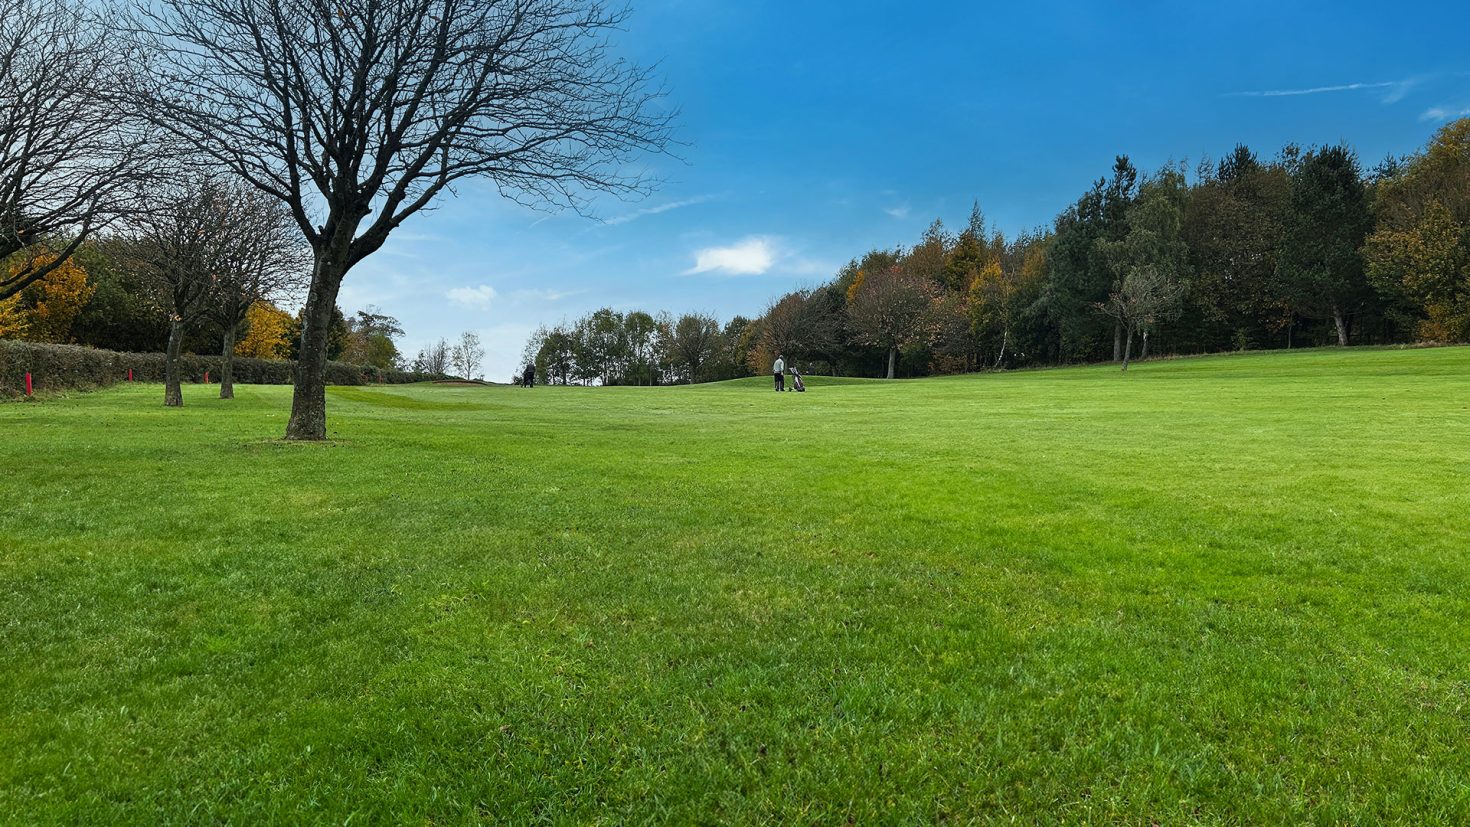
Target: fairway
x=1217 y=590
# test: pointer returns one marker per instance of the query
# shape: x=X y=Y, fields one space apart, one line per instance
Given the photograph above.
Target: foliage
x=1319 y=270
x=337 y=333
x=370 y=339
x=44 y=310
x=891 y=310
x=266 y=330
x=1420 y=253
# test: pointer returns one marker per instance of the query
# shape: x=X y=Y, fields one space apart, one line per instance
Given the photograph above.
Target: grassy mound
x=1211 y=590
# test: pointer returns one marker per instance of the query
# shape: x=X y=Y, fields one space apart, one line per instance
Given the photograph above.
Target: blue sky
x=816 y=131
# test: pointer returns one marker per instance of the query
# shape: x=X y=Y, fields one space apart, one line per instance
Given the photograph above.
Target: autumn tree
x=266 y=328
x=358 y=117
x=778 y=330
x=1420 y=250
x=371 y=336
x=928 y=258
x=890 y=309
x=45 y=309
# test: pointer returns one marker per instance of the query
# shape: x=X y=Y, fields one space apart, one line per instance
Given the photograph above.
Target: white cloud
x=480 y=296
x=749 y=257
x=1444 y=113
x=898 y=212
x=661 y=208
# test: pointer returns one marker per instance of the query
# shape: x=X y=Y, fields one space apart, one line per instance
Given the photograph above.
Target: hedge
x=71 y=367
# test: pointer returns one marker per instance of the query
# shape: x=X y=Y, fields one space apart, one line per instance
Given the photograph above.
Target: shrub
x=71 y=367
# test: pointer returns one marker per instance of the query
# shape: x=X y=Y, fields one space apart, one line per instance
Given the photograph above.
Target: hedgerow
x=70 y=367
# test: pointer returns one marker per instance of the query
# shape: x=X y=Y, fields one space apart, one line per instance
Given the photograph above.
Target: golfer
x=779 y=371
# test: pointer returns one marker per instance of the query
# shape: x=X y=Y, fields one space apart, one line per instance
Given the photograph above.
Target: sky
x=811 y=132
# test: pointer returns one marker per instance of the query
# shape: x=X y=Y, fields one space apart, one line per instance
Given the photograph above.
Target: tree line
x=1306 y=248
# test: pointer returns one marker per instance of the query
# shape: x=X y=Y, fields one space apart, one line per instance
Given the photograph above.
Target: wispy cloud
x=657 y=209
x=749 y=257
x=479 y=296
x=1397 y=89
x=548 y=295
x=1444 y=113
x=899 y=212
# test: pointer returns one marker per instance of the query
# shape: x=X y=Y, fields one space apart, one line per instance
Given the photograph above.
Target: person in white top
x=779 y=371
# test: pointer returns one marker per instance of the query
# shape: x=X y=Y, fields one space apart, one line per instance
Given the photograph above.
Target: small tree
x=433 y=359
x=890 y=309
x=1146 y=297
x=467 y=355
x=370 y=339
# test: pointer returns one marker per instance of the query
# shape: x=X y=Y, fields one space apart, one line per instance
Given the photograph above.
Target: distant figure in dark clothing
x=528 y=379
x=779 y=371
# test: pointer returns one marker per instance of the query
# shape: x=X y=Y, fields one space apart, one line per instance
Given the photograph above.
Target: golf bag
x=796 y=383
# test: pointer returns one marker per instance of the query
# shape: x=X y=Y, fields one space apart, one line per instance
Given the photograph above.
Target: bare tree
x=358 y=116
x=1146 y=297
x=183 y=244
x=892 y=309
x=262 y=258
x=71 y=159
x=467 y=354
x=433 y=359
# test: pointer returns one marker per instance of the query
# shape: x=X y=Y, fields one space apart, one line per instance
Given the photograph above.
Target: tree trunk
x=1143 y=354
x=309 y=397
x=1005 y=336
x=1128 y=350
x=1342 y=331
x=227 y=364
x=173 y=395
x=1118 y=341
x=892 y=359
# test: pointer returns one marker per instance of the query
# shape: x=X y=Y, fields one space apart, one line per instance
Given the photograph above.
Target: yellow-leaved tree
x=44 y=310
x=266 y=331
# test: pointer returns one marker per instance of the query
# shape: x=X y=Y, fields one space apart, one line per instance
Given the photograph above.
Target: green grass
x=1224 y=590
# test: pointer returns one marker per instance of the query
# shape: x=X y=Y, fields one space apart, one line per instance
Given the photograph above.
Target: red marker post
x=206 y=377
x=28 y=384
x=130 y=374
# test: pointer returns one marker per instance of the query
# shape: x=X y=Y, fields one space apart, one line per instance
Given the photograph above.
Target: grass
x=1223 y=590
